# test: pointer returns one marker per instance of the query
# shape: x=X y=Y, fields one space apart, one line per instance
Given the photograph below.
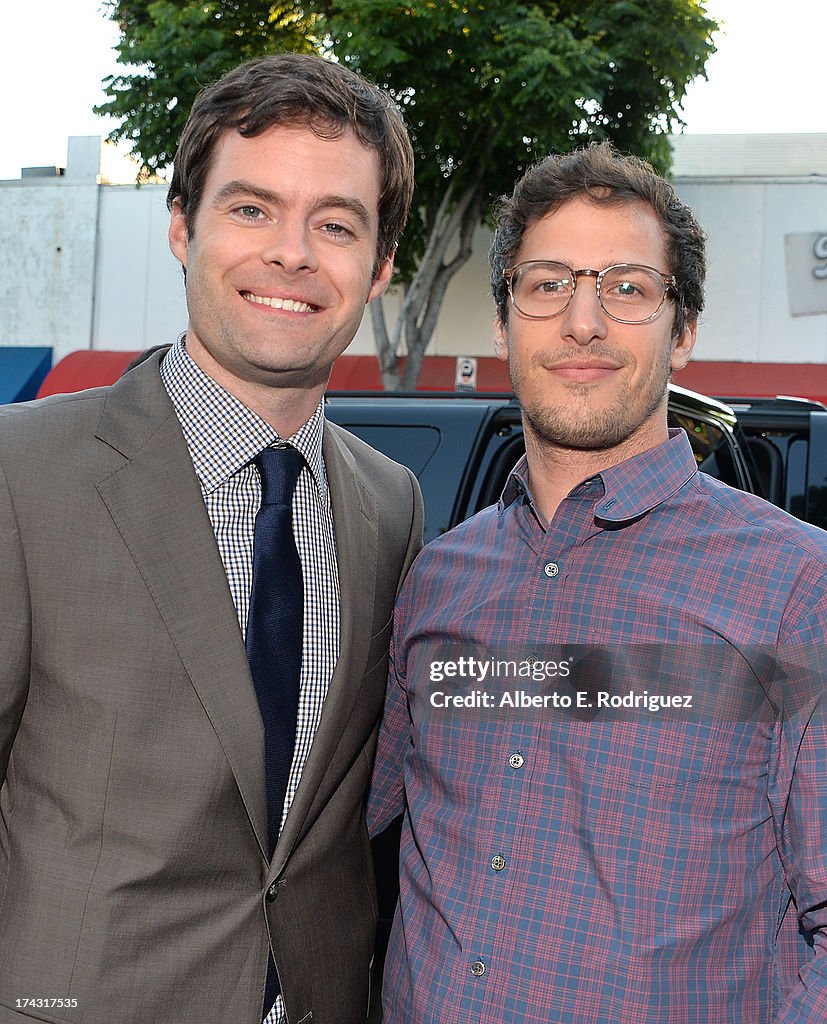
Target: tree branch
x=388 y=361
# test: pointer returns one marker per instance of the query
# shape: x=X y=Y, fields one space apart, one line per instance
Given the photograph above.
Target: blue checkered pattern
x=223 y=437
x=599 y=866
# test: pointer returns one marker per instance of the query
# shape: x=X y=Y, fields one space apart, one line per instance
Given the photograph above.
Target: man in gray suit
x=145 y=874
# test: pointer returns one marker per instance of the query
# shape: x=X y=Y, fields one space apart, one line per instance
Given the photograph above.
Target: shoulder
x=86 y=426
x=36 y=433
x=477 y=529
x=139 y=385
x=757 y=517
x=455 y=569
x=51 y=412
x=359 y=449
x=472 y=545
x=376 y=471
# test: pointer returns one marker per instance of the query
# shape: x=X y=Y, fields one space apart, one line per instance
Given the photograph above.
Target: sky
x=767 y=76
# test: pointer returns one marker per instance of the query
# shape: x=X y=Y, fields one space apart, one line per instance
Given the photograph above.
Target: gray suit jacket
x=133 y=875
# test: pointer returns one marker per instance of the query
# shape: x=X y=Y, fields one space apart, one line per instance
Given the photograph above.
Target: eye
x=337 y=230
x=552 y=286
x=249 y=212
x=632 y=284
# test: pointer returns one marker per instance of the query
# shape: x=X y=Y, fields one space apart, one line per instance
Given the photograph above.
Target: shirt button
x=478 y=968
x=498 y=862
x=272 y=892
x=516 y=761
x=551 y=569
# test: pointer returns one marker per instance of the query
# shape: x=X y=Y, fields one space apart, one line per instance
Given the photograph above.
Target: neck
x=283 y=405
x=554 y=470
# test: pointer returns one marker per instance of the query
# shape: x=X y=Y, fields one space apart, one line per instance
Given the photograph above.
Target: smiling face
x=281 y=260
x=584 y=381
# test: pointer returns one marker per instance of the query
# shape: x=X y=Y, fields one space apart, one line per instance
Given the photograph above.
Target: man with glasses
x=605 y=697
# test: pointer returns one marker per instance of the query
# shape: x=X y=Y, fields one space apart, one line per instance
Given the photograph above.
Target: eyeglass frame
x=669 y=284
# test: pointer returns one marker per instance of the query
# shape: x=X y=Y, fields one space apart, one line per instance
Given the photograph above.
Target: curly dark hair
x=296 y=89
x=605 y=177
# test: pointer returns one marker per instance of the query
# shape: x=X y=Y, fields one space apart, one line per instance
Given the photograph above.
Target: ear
x=382 y=279
x=500 y=340
x=178 y=234
x=682 y=345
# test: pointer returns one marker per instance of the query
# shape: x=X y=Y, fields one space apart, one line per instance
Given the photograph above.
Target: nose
x=583 y=319
x=288 y=244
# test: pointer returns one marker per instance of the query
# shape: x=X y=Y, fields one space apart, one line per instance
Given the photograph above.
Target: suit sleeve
x=386 y=797
x=417 y=527
x=15 y=626
x=798 y=801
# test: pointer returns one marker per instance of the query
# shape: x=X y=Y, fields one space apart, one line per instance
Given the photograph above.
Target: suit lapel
x=355 y=521
x=156 y=503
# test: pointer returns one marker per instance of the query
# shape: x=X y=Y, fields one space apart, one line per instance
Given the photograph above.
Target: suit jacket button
x=272 y=892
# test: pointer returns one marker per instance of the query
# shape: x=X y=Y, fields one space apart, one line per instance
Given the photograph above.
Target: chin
x=597 y=433
x=297 y=374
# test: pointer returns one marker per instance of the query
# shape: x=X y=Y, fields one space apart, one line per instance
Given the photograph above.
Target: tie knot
x=279 y=469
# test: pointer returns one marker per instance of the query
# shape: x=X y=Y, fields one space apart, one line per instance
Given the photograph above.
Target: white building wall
x=47 y=264
x=139 y=290
x=748 y=314
x=792 y=210
x=464 y=327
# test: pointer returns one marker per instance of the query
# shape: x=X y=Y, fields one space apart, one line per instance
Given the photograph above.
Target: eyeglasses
x=627 y=292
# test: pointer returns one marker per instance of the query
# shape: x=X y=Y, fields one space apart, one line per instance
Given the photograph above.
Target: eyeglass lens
x=628 y=292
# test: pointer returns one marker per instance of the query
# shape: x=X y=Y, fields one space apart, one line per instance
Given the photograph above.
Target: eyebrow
x=241 y=188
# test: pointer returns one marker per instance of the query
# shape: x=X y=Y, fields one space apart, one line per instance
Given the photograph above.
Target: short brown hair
x=297 y=89
x=605 y=177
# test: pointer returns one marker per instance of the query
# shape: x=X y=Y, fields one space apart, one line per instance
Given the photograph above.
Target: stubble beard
x=579 y=425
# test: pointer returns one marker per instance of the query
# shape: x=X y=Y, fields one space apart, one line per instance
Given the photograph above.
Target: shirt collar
x=222 y=434
x=628 y=490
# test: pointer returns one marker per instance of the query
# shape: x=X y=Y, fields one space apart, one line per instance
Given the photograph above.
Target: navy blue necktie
x=274 y=636
x=274 y=622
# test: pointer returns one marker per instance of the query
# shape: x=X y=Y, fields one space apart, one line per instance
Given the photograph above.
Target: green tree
x=174 y=49
x=488 y=88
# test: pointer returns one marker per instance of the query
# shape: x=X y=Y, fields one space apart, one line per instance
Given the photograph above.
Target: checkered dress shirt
x=607 y=863
x=223 y=436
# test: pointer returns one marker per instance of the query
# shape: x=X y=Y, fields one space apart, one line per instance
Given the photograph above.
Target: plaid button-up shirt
x=581 y=844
